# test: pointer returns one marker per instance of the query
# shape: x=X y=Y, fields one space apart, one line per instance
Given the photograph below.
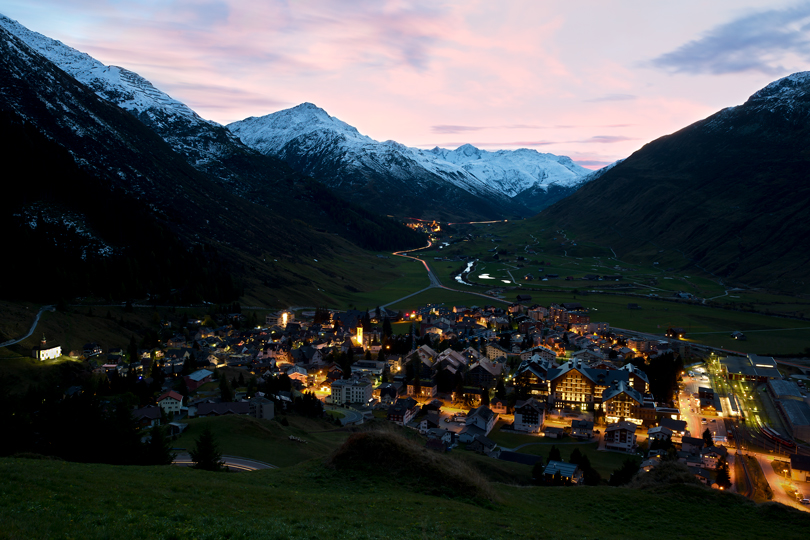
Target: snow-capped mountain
x=198 y=139
x=308 y=137
x=386 y=176
x=514 y=171
x=466 y=183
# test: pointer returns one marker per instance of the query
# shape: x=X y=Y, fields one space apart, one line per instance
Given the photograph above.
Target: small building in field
x=44 y=352
x=569 y=472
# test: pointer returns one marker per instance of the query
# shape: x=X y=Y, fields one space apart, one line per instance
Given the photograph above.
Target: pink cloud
x=418 y=70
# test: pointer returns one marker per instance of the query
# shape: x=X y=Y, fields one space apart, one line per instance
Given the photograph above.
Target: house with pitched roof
x=197 y=379
x=170 y=402
x=530 y=415
x=484 y=373
x=403 y=411
x=222 y=409
x=620 y=402
x=147 y=416
x=569 y=473
x=479 y=421
x=582 y=429
x=532 y=375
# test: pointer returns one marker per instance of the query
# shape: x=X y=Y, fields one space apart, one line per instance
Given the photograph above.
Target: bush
x=392 y=454
x=667 y=472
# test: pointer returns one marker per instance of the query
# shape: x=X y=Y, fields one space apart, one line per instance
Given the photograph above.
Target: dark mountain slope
x=130 y=173
x=731 y=192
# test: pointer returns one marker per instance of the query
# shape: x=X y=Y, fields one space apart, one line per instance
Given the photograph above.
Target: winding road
x=435 y=283
x=42 y=310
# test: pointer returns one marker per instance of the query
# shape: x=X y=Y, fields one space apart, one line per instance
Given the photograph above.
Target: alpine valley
x=393 y=342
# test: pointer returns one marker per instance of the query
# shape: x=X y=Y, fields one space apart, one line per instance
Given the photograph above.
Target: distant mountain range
x=423 y=183
x=387 y=177
x=730 y=192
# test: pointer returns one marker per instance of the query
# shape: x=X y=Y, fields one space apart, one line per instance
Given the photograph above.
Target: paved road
x=42 y=310
x=776 y=482
x=349 y=416
x=235 y=463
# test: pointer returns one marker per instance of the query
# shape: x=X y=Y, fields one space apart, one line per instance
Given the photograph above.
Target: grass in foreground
x=53 y=499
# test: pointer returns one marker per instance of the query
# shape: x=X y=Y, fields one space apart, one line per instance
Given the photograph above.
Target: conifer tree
x=206 y=454
x=159 y=449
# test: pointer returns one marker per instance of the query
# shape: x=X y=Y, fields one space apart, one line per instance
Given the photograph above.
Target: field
x=53 y=499
x=443 y=296
x=71 y=329
x=266 y=440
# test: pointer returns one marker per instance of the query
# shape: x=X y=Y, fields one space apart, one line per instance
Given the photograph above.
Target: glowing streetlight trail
x=478 y=222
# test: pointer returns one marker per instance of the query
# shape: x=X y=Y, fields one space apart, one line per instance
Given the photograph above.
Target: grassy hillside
x=267 y=440
x=53 y=499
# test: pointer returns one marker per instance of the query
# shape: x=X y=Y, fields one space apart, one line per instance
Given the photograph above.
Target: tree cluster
x=663 y=372
x=590 y=476
x=625 y=473
x=308 y=405
x=80 y=428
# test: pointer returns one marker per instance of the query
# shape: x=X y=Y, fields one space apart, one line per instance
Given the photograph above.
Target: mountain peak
x=468 y=150
x=308 y=107
x=794 y=86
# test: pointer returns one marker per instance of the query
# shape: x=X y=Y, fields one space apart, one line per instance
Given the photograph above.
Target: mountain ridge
x=313 y=142
x=730 y=192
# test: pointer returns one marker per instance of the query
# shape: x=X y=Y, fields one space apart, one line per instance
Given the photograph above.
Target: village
x=472 y=379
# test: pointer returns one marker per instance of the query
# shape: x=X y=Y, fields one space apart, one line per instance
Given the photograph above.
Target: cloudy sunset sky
x=591 y=80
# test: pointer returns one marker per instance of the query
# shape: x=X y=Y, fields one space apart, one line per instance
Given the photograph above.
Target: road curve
x=42 y=310
x=234 y=463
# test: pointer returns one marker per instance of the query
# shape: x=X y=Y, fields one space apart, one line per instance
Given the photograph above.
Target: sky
x=593 y=80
